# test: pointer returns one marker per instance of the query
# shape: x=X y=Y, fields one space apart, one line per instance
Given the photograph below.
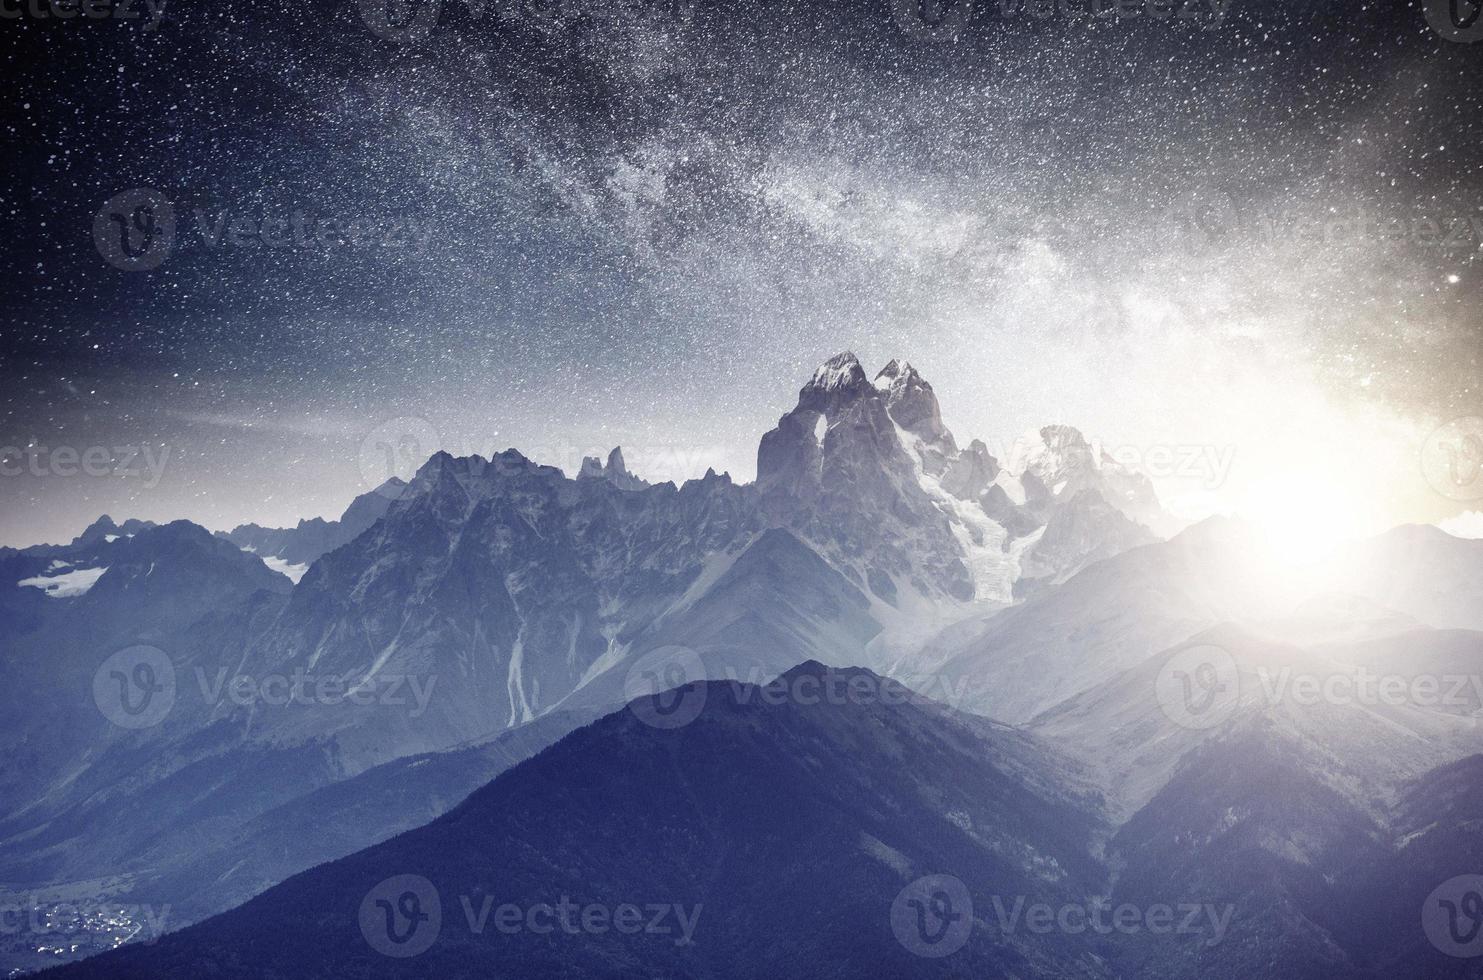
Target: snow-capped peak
x=839 y=372
x=895 y=373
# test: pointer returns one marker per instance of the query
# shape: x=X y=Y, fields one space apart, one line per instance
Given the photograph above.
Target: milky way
x=565 y=226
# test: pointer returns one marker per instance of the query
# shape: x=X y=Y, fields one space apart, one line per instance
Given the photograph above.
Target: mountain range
x=470 y=678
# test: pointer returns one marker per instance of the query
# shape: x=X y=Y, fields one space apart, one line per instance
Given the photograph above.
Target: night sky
x=1252 y=233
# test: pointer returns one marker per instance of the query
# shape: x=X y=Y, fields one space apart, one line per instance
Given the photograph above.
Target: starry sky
x=1240 y=246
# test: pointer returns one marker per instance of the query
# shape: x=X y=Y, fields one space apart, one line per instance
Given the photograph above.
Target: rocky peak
x=839 y=471
x=841 y=378
x=615 y=472
x=913 y=406
x=893 y=370
x=1062 y=463
x=1064 y=439
x=969 y=475
x=104 y=528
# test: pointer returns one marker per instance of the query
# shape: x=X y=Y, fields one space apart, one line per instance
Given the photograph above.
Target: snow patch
x=886 y=854
x=980 y=537
x=294 y=572
x=66 y=585
x=715 y=565
x=1013 y=488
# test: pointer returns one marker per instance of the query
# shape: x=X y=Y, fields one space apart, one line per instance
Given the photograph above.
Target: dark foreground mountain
x=771 y=835
x=831 y=824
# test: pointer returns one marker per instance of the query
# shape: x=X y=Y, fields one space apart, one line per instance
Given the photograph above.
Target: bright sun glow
x=1303 y=516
